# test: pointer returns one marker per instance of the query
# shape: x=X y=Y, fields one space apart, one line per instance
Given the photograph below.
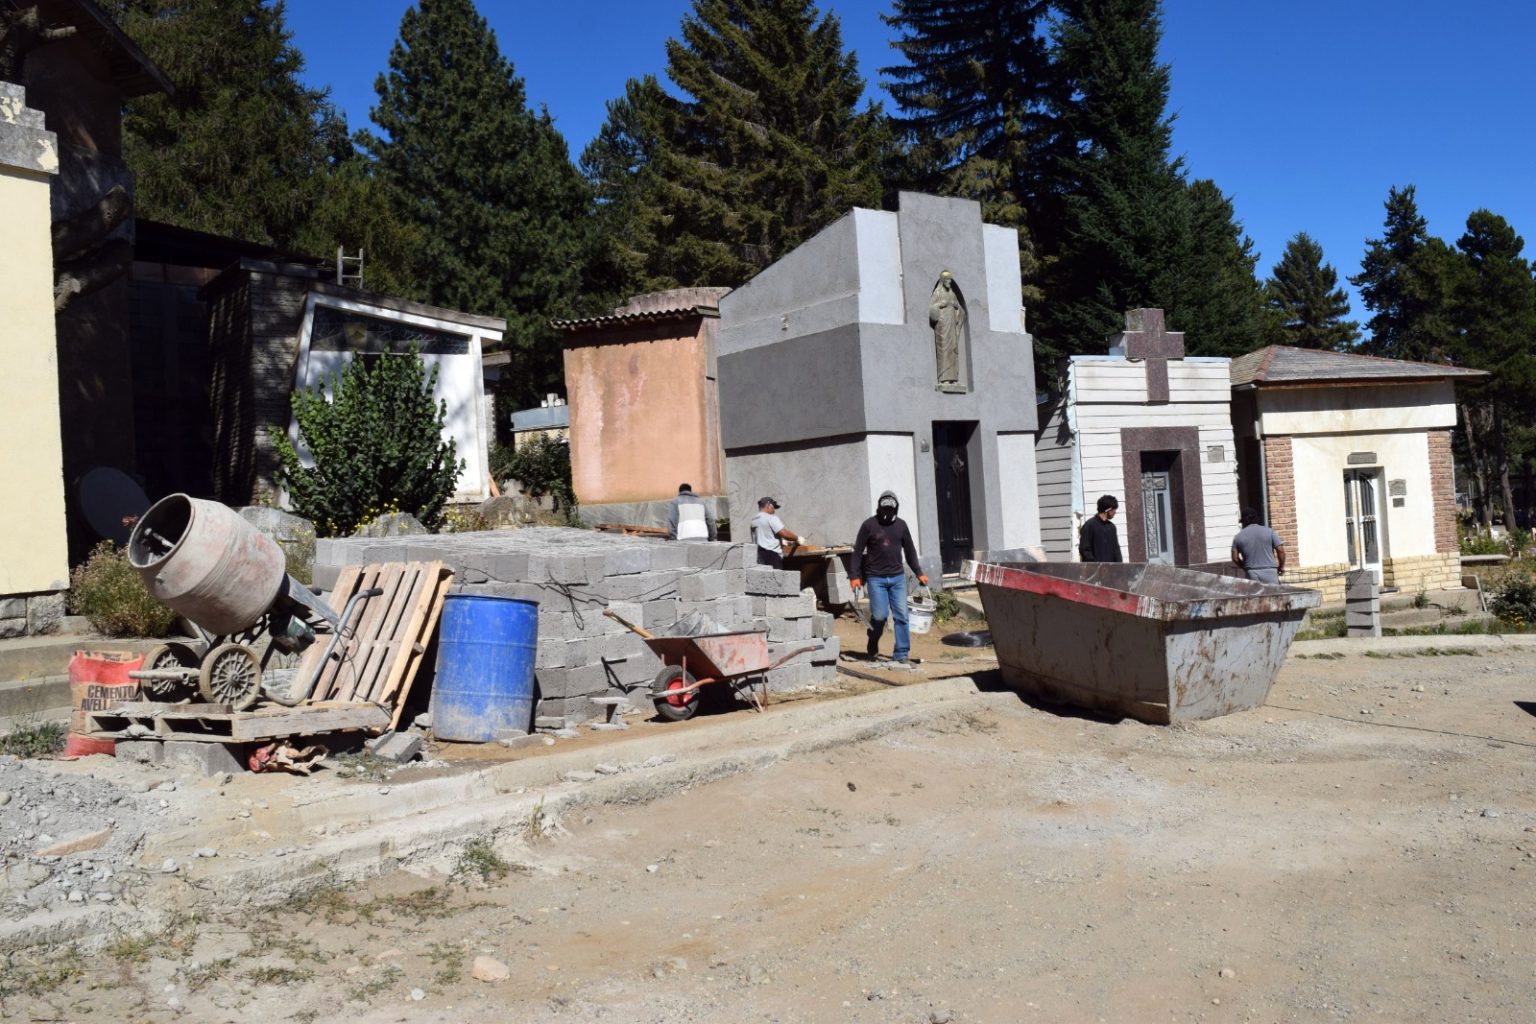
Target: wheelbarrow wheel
x=681 y=707
x=164 y=656
x=231 y=675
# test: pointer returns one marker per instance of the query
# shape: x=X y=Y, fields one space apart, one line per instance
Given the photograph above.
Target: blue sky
x=1304 y=112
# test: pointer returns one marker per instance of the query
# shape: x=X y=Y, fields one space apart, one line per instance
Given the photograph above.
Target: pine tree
x=243 y=148
x=1208 y=287
x=487 y=182
x=1404 y=281
x=1126 y=212
x=1492 y=310
x=1304 y=294
x=977 y=98
x=616 y=165
x=764 y=149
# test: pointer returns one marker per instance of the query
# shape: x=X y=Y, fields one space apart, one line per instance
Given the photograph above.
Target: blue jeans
x=888 y=599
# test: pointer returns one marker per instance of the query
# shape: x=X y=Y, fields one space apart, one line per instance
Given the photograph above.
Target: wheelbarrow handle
x=795 y=654
x=627 y=624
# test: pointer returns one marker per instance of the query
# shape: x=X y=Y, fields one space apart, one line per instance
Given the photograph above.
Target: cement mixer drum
x=208 y=564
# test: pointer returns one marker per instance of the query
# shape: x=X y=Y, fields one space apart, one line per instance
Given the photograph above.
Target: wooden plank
x=411 y=633
x=270 y=723
x=381 y=661
x=418 y=649
x=349 y=673
x=309 y=664
x=341 y=661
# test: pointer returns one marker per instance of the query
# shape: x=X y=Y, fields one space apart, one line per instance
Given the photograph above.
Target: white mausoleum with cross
x=1153 y=427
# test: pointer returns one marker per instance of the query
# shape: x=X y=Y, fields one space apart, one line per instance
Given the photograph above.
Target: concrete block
x=821 y=624
x=207 y=758
x=779 y=648
x=45 y=613
x=576 y=681
x=786 y=677
x=141 y=751
x=803 y=604
x=10 y=628
x=821 y=675
x=324 y=576
x=1354 y=618
x=586 y=650
x=398 y=747
x=668 y=555
x=549 y=722
x=831 y=648
x=507 y=566
x=733 y=609
x=13 y=608
x=718 y=555
x=497 y=588
x=788 y=629
x=659 y=614
x=759 y=605
x=551 y=654
x=628 y=560
x=703 y=586
x=571 y=709
x=644 y=586
x=770 y=582
x=572 y=569
x=632 y=612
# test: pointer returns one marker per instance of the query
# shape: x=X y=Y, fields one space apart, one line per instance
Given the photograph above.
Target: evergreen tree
x=487 y=182
x=243 y=148
x=765 y=147
x=1208 y=286
x=1125 y=215
x=1492 y=310
x=616 y=165
x=1304 y=294
x=977 y=98
x=1404 y=281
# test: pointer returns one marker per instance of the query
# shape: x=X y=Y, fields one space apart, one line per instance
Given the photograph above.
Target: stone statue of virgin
x=946 y=315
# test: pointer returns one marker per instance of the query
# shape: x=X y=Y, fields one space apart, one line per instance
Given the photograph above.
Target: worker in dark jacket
x=877 y=552
x=1099 y=541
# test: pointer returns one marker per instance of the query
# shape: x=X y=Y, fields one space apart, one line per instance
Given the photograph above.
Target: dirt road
x=1358 y=850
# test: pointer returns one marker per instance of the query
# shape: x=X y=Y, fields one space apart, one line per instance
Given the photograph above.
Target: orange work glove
x=855 y=584
x=923 y=580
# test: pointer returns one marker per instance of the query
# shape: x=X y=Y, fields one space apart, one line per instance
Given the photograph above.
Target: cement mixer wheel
x=170 y=655
x=231 y=675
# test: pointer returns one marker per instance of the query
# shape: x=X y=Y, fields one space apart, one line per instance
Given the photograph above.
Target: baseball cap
x=888 y=500
x=769 y=501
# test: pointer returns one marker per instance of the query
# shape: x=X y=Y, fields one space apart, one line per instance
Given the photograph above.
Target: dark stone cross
x=1145 y=338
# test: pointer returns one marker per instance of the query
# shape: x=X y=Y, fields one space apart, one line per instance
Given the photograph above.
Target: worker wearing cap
x=769 y=532
x=688 y=517
x=877 y=552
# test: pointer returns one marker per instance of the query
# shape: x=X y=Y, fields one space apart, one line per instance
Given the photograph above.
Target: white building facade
x=1152 y=427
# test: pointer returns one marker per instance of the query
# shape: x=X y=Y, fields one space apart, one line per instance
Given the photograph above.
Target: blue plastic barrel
x=485 y=654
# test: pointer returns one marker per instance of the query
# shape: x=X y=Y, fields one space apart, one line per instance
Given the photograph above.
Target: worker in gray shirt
x=1258 y=549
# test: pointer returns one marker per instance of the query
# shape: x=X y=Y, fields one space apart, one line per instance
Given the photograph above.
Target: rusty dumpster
x=1155 y=642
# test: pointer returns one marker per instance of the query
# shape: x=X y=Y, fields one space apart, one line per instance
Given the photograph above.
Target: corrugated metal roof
x=1283 y=364
x=644 y=316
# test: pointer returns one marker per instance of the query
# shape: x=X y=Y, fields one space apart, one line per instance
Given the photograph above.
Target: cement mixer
x=230 y=581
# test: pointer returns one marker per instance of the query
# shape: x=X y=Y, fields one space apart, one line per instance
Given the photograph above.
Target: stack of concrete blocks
x=575 y=575
x=1362 y=604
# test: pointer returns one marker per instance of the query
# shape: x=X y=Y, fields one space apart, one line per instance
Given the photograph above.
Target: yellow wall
x=33 y=556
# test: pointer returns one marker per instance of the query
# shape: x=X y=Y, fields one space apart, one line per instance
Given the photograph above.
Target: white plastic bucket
x=919 y=616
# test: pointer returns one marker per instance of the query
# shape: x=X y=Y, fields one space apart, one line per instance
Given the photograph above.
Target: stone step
x=35 y=657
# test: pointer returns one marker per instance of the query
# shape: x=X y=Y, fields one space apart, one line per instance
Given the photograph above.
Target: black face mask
x=885 y=515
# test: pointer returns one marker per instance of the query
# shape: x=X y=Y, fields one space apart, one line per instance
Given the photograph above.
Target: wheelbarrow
x=231 y=583
x=691 y=662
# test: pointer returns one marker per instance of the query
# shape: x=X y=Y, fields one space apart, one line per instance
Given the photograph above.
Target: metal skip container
x=1154 y=642
x=200 y=558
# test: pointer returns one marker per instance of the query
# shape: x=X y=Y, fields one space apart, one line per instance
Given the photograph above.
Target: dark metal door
x=952 y=476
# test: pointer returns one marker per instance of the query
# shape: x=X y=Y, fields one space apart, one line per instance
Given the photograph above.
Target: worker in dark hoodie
x=877 y=553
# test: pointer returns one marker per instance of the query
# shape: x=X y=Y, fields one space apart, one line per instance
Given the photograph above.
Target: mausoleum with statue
x=889 y=352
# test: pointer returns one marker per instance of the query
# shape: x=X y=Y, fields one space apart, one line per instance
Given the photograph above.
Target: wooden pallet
x=201 y=722
x=391 y=631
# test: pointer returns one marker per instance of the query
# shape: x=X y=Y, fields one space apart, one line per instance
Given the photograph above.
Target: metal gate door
x=952 y=478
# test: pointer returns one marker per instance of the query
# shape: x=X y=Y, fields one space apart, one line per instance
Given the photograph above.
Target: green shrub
x=945 y=606
x=1514 y=600
x=377 y=443
x=40 y=739
x=1518 y=541
x=542 y=466
x=108 y=591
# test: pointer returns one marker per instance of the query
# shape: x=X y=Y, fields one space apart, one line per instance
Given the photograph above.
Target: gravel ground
x=1363 y=848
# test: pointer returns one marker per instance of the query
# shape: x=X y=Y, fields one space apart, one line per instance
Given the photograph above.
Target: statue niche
x=947 y=317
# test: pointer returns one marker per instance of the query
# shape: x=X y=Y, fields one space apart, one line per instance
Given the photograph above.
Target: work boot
x=872 y=647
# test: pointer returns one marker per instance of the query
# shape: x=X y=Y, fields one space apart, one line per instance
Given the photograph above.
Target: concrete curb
x=425 y=824
x=1408 y=644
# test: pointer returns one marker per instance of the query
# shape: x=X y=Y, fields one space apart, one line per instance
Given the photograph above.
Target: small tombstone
x=394 y=524
x=1362 y=605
